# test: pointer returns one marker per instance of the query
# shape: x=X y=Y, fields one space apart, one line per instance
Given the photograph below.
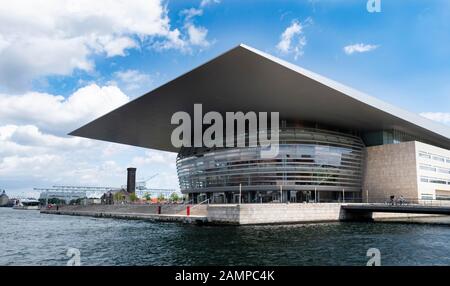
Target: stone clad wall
x=273 y=213
x=226 y=214
x=289 y=213
x=138 y=209
x=247 y=214
x=390 y=170
x=393 y=216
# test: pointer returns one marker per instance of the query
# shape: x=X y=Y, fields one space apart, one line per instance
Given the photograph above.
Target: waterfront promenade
x=175 y=213
x=233 y=214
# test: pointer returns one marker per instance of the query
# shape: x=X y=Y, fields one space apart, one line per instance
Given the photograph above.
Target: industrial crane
x=142 y=185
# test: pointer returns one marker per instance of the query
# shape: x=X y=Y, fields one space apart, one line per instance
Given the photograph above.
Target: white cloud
x=29 y=155
x=30 y=135
x=155 y=157
x=443 y=117
x=35 y=152
x=133 y=80
x=191 y=13
x=208 y=2
x=197 y=35
x=292 y=40
x=57 y=114
x=359 y=48
x=163 y=164
x=55 y=37
x=116 y=46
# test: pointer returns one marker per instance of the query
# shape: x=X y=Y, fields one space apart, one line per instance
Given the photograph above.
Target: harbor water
x=31 y=238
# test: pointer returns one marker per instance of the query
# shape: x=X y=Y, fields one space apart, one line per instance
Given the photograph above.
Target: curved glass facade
x=308 y=159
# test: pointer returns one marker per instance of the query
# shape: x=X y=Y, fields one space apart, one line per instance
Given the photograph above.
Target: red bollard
x=188 y=210
x=159 y=209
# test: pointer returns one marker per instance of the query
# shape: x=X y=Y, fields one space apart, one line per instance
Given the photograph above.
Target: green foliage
x=118 y=197
x=76 y=202
x=174 y=197
x=133 y=197
x=161 y=198
x=54 y=201
x=147 y=196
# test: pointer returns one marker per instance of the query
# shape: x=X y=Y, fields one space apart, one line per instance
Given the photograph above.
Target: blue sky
x=97 y=62
x=411 y=63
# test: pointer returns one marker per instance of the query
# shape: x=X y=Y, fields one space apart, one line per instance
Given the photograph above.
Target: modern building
x=61 y=195
x=336 y=143
x=70 y=194
x=412 y=169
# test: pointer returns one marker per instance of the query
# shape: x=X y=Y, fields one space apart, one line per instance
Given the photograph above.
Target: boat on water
x=26 y=204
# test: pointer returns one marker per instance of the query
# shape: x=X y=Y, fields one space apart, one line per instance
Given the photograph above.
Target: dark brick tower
x=131 y=180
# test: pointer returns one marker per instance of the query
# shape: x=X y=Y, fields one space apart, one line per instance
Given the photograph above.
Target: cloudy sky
x=66 y=62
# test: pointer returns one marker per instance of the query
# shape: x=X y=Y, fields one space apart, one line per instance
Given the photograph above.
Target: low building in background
x=93 y=201
x=72 y=194
x=4 y=199
x=112 y=197
x=59 y=196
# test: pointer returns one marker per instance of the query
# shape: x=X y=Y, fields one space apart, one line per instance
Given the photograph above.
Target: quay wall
x=247 y=214
x=234 y=214
x=273 y=213
x=175 y=213
x=128 y=208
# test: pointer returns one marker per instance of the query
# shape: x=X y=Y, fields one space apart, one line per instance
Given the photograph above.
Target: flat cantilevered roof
x=246 y=79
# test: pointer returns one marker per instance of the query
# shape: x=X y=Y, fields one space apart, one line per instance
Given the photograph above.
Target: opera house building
x=336 y=144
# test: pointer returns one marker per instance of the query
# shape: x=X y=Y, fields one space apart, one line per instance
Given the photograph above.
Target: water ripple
x=31 y=238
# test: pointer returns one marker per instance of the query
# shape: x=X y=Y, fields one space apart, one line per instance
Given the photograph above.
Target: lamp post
x=240 y=193
x=281 y=194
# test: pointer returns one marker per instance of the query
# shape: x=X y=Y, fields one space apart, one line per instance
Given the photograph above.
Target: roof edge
x=414 y=118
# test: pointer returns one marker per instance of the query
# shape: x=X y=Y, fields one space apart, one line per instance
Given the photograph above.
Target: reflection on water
x=31 y=238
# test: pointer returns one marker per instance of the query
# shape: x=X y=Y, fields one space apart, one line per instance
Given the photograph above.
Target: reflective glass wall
x=308 y=159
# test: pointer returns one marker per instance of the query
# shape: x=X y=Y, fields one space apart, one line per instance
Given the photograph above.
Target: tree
x=76 y=201
x=147 y=196
x=133 y=197
x=161 y=198
x=56 y=201
x=174 y=197
x=118 y=197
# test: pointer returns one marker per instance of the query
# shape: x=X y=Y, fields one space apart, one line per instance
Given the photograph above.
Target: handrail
x=399 y=201
x=207 y=200
x=188 y=202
